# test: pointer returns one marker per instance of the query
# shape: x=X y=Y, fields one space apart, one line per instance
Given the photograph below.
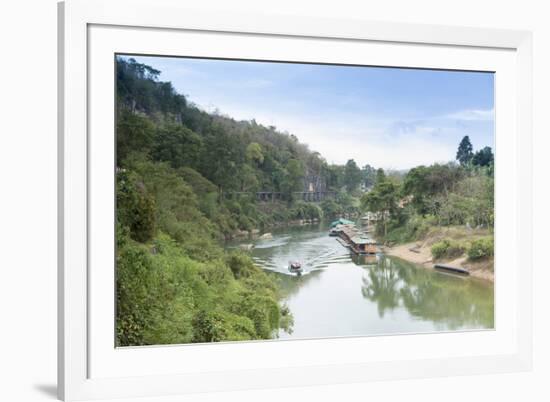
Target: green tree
x=380 y=176
x=483 y=157
x=248 y=178
x=222 y=158
x=135 y=207
x=331 y=208
x=138 y=90
x=294 y=177
x=369 y=176
x=464 y=153
x=382 y=200
x=316 y=163
x=352 y=176
x=335 y=177
x=134 y=133
x=424 y=183
x=177 y=145
x=254 y=153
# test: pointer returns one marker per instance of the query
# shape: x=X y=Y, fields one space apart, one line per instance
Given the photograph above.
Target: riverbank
x=420 y=253
x=256 y=232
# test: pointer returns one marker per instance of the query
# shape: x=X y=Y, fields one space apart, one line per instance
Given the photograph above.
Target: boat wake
x=311 y=261
x=276 y=242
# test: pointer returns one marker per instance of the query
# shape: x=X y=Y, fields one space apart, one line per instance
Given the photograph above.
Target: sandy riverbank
x=422 y=256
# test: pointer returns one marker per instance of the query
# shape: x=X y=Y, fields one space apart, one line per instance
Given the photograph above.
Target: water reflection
x=441 y=298
x=381 y=285
x=291 y=284
x=340 y=294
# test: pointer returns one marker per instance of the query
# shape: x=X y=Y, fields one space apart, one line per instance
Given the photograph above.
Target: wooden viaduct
x=271 y=196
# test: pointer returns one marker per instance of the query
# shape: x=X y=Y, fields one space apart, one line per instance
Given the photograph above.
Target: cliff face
x=313 y=181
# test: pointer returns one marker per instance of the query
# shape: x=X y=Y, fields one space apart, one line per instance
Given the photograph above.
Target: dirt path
x=421 y=255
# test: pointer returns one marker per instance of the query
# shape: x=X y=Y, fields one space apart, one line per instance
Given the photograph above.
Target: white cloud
x=403 y=154
x=379 y=141
x=473 y=115
x=364 y=139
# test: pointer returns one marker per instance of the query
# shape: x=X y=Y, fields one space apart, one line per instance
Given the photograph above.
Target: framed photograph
x=255 y=201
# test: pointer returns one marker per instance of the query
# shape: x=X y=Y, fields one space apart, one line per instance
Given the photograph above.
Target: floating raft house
x=356 y=240
x=362 y=244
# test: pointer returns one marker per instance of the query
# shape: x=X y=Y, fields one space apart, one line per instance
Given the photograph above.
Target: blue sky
x=387 y=117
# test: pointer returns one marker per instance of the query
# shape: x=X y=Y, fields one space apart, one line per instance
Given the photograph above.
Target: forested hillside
x=448 y=207
x=226 y=161
x=186 y=179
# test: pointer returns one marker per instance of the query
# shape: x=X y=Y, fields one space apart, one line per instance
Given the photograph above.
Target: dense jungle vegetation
x=187 y=179
x=456 y=195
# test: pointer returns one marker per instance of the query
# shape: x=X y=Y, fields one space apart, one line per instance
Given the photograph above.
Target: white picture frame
x=91 y=32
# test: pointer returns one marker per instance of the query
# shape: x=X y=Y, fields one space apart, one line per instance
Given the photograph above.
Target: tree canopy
x=483 y=157
x=382 y=199
x=352 y=175
x=464 y=153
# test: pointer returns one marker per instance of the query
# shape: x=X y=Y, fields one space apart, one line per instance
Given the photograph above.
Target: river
x=340 y=294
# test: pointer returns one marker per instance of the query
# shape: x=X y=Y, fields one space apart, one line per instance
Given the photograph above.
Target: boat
x=452 y=269
x=295 y=266
x=341 y=221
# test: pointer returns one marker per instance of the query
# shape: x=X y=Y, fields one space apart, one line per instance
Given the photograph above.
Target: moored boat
x=452 y=269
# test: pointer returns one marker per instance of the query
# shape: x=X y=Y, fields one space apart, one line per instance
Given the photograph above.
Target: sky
x=386 y=117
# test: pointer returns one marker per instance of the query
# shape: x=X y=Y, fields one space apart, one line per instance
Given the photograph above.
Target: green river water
x=340 y=294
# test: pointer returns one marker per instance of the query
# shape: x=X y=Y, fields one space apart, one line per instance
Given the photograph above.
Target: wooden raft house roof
x=354 y=235
x=362 y=240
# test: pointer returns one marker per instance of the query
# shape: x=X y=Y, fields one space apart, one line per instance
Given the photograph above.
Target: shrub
x=481 y=248
x=135 y=207
x=455 y=250
x=331 y=208
x=415 y=228
x=245 y=223
x=447 y=249
x=418 y=227
x=241 y=265
x=304 y=210
x=216 y=326
x=165 y=297
x=439 y=249
x=395 y=235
